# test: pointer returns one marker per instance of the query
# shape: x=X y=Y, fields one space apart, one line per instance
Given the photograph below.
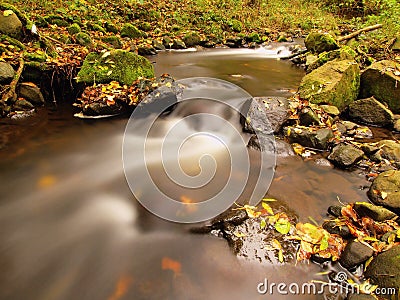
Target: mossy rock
x=74 y=29
x=83 y=39
x=131 y=31
x=335 y=83
x=110 y=27
x=118 y=65
x=381 y=81
x=96 y=27
x=343 y=53
x=113 y=41
x=191 y=39
x=236 y=25
x=317 y=42
x=253 y=37
x=10 y=24
x=56 y=20
x=38 y=56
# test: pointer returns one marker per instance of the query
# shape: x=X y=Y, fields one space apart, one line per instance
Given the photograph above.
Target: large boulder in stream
x=370 y=111
x=385 y=190
x=384 y=269
x=345 y=156
x=317 y=42
x=381 y=80
x=335 y=83
x=117 y=65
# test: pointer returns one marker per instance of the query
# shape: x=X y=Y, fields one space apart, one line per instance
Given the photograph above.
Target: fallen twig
x=11 y=94
x=293 y=55
x=357 y=32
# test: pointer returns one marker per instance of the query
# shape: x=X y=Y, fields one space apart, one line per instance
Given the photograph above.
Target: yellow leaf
x=239 y=234
x=267 y=208
x=280 y=256
x=7 y=13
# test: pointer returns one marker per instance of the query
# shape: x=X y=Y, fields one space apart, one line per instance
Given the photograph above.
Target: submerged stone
x=119 y=65
x=335 y=83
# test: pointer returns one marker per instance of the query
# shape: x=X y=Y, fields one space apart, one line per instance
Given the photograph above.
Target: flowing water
x=70 y=227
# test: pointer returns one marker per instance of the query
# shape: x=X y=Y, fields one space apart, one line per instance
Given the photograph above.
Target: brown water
x=70 y=228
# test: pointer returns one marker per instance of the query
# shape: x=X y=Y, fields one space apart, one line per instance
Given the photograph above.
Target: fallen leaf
x=168 y=263
x=121 y=287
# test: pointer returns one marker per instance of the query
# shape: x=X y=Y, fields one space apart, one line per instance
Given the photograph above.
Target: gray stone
x=345 y=156
x=389 y=150
x=265 y=114
x=378 y=213
x=146 y=50
x=178 y=44
x=308 y=137
x=308 y=117
x=7 y=73
x=22 y=104
x=335 y=83
x=158 y=45
x=264 y=143
x=354 y=254
x=370 y=111
x=29 y=91
x=384 y=269
x=333 y=228
x=330 y=110
x=10 y=24
x=381 y=81
x=385 y=190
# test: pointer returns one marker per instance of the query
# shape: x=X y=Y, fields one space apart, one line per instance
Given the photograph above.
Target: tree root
x=12 y=94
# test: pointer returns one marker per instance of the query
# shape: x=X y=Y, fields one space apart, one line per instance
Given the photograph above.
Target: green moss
x=74 y=29
x=128 y=30
x=145 y=26
x=38 y=56
x=236 y=25
x=83 y=39
x=110 y=27
x=98 y=28
x=113 y=41
x=12 y=41
x=119 y=65
x=253 y=37
x=317 y=42
x=56 y=20
x=22 y=17
x=343 y=53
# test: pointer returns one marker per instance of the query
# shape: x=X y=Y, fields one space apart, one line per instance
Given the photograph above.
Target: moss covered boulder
x=191 y=39
x=339 y=54
x=117 y=65
x=381 y=80
x=317 y=42
x=131 y=31
x=10 y=24
x=385 y=190
x=336 y=83
x=384 y=269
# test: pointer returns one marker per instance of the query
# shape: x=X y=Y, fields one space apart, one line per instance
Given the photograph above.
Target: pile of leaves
x=113 y=96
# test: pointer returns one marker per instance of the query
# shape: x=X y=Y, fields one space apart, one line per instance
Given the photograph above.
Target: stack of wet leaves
x=110 y=99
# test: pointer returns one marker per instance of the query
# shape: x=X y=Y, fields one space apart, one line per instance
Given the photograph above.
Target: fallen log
x=357 y=32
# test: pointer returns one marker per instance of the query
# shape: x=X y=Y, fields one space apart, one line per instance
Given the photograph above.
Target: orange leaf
x=121 y=287
x=170 y=264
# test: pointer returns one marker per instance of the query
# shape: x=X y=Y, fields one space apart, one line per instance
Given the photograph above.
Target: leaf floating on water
x=282 y=226
x=267 y=208
x=121 y=287
x=239 y=234
x=263 y=224
x=168 y=263
x=46 y=181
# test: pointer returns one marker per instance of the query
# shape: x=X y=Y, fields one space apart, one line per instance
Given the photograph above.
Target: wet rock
x=235 y=42
x=308 y=117
x=7 y=72
x=10 y=24
x=167 y=42
x=378 y=213
x=126 y=69
x=361 y=132
x=345 y=156
x=30 y=92
x=360 y=297
x=308 y=137
x=131 y=31
x=84 y=39
x=354 y=254
x=370 y=111
x=335 y=83
x=369 y=149
x=145 y=26
x=380 y=80
x=323 y=162
x=330 y=110
x=265 y=114
x=262 y=142
x=102 y=109
x=178 y=44
x=340 y=54
x=335 y=210
x=384 y=269
x=349 y=125
x=146 y=50
x=333 y=228
x=385 y=190
x=227 y=219
x=283 y=149
x=319 y=42
x=389 y=150
x=191 y=39
x=22 y=104
x=157 y=45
